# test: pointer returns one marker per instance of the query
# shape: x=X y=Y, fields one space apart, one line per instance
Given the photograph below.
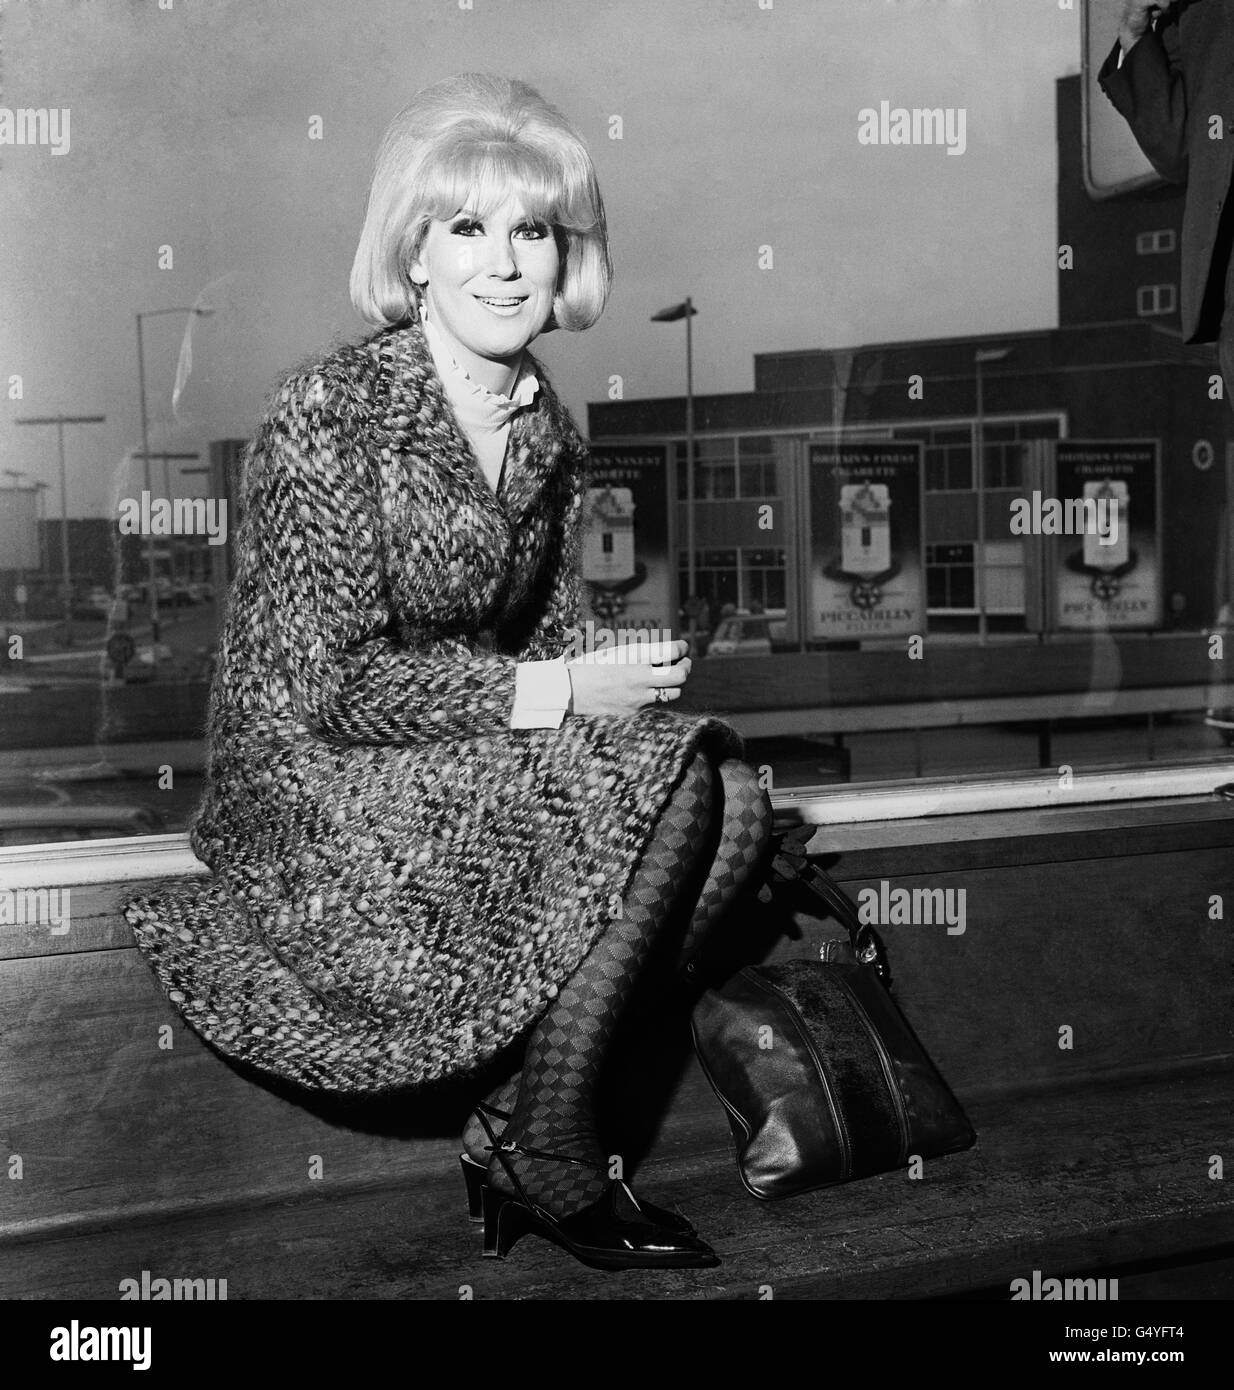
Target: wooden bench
x=1094 y=1158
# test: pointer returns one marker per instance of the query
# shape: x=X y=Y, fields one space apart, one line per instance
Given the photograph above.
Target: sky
x=190 y=129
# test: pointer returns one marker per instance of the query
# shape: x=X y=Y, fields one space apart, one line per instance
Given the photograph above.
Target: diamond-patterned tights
x=554 y=1111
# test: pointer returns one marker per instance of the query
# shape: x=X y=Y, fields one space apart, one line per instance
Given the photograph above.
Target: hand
x=1137 y=16
x=622 y=689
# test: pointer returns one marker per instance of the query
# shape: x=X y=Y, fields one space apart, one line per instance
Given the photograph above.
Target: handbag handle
x=792 y=864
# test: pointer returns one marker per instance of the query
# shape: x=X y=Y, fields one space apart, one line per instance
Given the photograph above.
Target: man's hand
x=1137 y=16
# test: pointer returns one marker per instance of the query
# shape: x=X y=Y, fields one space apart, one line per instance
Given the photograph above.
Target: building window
x=948 y=457
x=1155 y=299
x=1004 y=578
x=951 y=585
x=757 y=458
x=716 y=577
x=1157 y=243
x=728 y=469
x=949 y=577
x=949 y=452
x=1002 y=456
x=763 y=578
x=715 y=471
x=747 y=578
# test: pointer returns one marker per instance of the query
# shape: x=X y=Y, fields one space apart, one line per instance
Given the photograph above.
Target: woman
x=429 y=835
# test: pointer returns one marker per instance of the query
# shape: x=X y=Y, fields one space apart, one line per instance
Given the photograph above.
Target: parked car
x=145 y=662
x=141 y=590
x=94 y=602
x=742 y=634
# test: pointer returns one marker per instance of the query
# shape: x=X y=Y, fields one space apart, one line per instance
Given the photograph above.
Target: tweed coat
x=399 y=881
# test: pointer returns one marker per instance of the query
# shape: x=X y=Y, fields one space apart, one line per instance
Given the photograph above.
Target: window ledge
x=75 y=863
x=933 y=811
x=952 y=796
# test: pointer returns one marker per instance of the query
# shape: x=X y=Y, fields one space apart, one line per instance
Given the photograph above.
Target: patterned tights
x=555 y=1104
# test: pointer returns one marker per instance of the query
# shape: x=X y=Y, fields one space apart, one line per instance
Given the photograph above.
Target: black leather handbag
x=822 y=1078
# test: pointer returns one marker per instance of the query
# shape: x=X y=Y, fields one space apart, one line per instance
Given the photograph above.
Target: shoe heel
x=473 y=1178
x=505 y=1220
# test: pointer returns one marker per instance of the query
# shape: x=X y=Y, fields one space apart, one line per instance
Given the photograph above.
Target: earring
x=417 y=294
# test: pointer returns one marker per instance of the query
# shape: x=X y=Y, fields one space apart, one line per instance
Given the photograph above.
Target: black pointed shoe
x=614 y=1232
x=474 y=1176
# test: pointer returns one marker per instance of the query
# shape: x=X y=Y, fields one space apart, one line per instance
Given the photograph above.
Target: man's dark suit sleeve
x=1150 y=93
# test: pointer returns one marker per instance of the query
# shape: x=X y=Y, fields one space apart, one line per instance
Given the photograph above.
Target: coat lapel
x=533 y=455
x=420 y=420
x=438 y=511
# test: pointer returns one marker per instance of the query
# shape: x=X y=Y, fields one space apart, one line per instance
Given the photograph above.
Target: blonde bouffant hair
x=473 y=141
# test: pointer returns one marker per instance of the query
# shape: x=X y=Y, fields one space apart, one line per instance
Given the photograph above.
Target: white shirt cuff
x=542 y=693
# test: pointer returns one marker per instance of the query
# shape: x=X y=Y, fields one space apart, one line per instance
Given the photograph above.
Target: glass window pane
x=960 y=466
x=755 y=446
x=723 y=482
x=935 y=470
x=116 y=657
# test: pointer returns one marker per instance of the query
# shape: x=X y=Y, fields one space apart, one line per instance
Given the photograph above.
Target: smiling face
x=489 y=284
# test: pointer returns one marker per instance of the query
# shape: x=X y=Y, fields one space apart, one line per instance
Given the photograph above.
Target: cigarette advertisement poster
x=867 y=577
x=1106 y=535
x=625 y=539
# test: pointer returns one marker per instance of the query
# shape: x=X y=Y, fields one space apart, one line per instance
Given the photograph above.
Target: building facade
x=1114 y=372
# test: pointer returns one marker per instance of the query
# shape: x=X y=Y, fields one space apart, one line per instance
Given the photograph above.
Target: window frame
x=1167 y=289
x=1161 y=241
x=80 y=864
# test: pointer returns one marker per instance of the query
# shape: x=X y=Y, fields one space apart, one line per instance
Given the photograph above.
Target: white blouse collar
x=478 y=408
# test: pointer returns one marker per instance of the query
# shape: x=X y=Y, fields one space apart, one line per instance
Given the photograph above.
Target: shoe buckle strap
x=512 y=1146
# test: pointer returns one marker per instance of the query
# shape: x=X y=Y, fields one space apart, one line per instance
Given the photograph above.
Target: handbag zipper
x=884 y=1058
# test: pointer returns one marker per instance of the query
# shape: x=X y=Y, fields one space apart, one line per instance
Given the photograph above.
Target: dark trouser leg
x=555 y=1111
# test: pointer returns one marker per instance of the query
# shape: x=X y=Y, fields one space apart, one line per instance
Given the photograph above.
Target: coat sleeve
x=560 y=596
x=314 y=536
x=1149 y=91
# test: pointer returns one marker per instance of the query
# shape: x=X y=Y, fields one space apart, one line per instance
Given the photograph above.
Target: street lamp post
x=686 y=310
x=980 y=358
x=60 y=421
x=145 y=445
